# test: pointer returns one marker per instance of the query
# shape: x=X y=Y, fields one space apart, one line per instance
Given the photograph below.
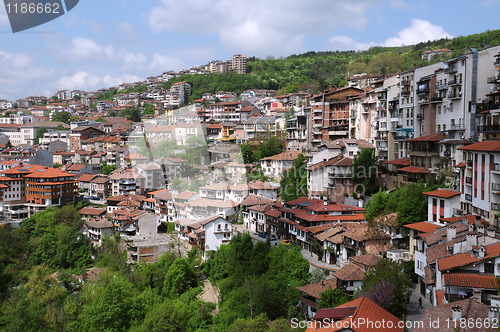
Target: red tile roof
x=350 y=272
x=460 y=165
x=429 y=138
x=319 y=287
x=414 y=169
x=472 y=311
x=448 y=263
x=470 y=280
x=366 y=259
x=335 y=161
x=424 y=227
x=487 y=146
x=442 y=193
x=402 y=162
x=367 y=310
x=287 y=155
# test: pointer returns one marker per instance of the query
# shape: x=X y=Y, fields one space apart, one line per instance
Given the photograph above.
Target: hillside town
x=144 y=159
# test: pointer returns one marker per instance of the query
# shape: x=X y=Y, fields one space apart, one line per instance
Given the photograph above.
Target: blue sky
x=104 y=43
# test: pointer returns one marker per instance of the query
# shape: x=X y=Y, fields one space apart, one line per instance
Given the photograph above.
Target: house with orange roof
x=441 y=204
x=331 y=178
x=359 y=315
x=275 y=165
x=126 y=183
x=311 y=295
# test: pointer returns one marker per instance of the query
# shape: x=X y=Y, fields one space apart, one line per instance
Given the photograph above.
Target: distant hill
x=315 y=71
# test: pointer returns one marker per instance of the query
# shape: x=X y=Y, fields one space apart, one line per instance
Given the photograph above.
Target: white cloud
x=400 y=4
x=84 y=80
x=84 y=48
x=259 y=27
x=347 y=43
x=418 y=31
x=162 y=63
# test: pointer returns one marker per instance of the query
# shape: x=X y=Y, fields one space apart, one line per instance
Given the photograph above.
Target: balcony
x=441 y=87
x=468 y=197
x=405 y=82
x=405 y=93
x=420 y=116
x=455 y=95
x=495 y=206
x=454 y=82
x=496 y=168
x=458 y=212
x=493 y=79
x=423 y=101
x=436 y=99
x=450 y=70
x=488 y=128
x=469 y=163
x=468 y=180
x=457 y=127
x=495 y=186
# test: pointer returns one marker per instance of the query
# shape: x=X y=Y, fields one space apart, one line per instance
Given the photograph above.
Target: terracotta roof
x=442 y=193
x=358 y=233
x=256 y=200
x=414 y=169
x=366 y=310
x=49 y=173
x=471 y=310
x=350 y=272
x=273 y=213
x=185 y=195
x=135 y=156
x=319 y=287
x=460 y=165
x=402 y=162
x=99 y=223
x=488 y=146
x=156 y=192
x=366 y=259
x=339 y=160
x=470 y=280
x=328 y=233
x=424 y=227
x=92 y=211
x=287 y=155
x=440 y=297
x=429 y=138
x=100 y=179
x=448 y=263
x=86 y=177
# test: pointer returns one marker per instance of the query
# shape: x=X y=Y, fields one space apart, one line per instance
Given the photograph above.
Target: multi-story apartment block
x=183 y=89
x=480 y=179
x=5 y=104
x=298 y=130
x=237 y=111
x=330 y=114
x=126 y=183
x=49 y=187
x=238 y=64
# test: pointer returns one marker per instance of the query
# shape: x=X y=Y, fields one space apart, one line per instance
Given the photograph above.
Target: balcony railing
x=495 y=186
x=468 y=180
x=488 y=128
x=496 y=167
x=455 y=95
x=495 y=206
x=468 y=197
x=457 y=127
x=454 y=82
x=405 y=93
x=493 y=79
x=405 y=82
x=436 y=99
x=423 y=101
x=469 y=163
x=441 y=87
x=450 y=70
x=458 y=212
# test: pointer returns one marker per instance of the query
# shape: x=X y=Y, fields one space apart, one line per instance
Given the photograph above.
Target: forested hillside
x=314 y=71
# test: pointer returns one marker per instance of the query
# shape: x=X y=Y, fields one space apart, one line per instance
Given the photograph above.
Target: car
x=285 y=242
x=263 y=234
x=272 y=237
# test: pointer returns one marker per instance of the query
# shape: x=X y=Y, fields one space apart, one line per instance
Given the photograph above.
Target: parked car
x=285 y=242
x=273 y=237
x=263 y=234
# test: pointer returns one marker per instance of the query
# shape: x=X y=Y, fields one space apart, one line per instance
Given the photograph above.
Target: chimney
x=481 y=252
x=456 y=313
x=477 y=294
x=493 y=314
x=478 y=220
x=451 y=232
x=471 y=239
x=325 y=203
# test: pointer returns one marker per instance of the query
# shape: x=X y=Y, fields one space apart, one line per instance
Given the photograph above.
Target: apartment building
x=238 y=64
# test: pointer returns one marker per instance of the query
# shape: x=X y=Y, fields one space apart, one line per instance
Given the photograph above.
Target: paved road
x=413 y=313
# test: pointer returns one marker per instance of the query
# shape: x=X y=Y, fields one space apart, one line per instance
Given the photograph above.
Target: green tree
x=149 y=109
x=247 y=153
x=393 y=273
x=39 y=134
x=195 y=141
x=332 y=298
x=179 y=278
x=365 y=167
x=61 y=117
x=294 y=181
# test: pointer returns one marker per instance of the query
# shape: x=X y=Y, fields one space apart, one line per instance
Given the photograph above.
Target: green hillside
x=315 y=71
